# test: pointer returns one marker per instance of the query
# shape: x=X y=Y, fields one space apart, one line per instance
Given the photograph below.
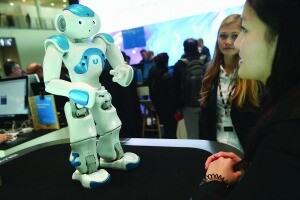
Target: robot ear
x=60 y=23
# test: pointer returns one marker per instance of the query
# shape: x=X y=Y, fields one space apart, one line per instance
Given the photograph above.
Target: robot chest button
x=95 y=61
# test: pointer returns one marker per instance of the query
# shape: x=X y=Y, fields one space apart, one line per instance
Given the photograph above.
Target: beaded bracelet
x=215 y=177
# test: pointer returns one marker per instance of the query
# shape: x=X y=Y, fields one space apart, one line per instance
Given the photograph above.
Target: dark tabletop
x=164 y=173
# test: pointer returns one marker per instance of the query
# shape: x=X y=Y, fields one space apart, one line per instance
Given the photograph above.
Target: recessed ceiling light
x=11 y=4
x=24 y=1
x=52 y=4
x=64 y=1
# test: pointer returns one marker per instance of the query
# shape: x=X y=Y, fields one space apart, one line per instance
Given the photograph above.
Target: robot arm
x=123 y=73
x=81 y=93
x=52 y=64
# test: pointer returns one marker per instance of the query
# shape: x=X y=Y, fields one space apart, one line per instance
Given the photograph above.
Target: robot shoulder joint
x=106 y=37
x=59 y=41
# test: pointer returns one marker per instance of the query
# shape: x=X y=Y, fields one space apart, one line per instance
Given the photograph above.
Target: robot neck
x=80 y=40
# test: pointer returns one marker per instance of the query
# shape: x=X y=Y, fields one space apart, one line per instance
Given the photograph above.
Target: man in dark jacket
x=203 y=49
x=159 y=81
x=190 y=114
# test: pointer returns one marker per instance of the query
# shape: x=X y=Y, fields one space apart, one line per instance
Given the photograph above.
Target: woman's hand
x=222 y=164
x=216 y=156
x=5 y=137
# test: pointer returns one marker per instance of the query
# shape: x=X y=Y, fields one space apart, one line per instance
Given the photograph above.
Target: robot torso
x=85 y=62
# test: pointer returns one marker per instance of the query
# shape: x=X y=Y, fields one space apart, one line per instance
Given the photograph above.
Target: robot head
x=77 y=22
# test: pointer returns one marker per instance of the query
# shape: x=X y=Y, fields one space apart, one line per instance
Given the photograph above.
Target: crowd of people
x=13 y=69
x=249 y=99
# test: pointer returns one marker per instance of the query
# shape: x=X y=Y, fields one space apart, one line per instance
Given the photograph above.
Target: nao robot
x=89 y=111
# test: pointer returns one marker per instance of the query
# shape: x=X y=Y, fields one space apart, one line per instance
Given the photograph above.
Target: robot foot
x=96 y=179
x=128 y=161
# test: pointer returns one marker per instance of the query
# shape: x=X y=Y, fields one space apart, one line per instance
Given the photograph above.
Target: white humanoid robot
x=89 y=111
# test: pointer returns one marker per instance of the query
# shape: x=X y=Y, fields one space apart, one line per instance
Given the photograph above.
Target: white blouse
x=224 y=120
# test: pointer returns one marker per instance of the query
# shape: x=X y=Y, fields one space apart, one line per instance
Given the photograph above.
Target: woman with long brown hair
x=230 y=104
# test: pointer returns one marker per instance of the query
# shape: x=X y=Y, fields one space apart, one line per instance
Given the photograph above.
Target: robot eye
x=80 y=21
x=94 y=22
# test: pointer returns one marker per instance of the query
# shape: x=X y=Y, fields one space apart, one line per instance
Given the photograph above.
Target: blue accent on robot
x=80 y=10
x=108 y=37
x=79 y=96
x=94 y=184
x=62 y=41
x=133 y=165
x=83 y=64
x=73 y=162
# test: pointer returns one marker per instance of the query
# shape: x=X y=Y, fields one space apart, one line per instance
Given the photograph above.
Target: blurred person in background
x=12 y=69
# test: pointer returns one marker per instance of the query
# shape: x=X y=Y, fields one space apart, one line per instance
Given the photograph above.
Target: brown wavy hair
x=245 y=90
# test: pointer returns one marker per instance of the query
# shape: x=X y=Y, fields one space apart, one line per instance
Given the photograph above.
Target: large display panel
x=119 y=15
x=163 y=31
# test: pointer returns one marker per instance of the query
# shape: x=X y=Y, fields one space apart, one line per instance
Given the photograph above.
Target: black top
x=177 y=76
x=243 y=121
x=274 y=170
x=159 y=82
x=206 y=52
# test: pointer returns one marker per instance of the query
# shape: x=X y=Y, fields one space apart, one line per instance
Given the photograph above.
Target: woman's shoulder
x=283 y=136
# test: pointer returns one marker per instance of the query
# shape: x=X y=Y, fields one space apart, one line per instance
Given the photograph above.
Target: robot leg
x=109 y=148
x=111 y=152
x=83 y=147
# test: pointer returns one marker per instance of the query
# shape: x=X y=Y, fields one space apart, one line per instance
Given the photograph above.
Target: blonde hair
x=244 y=89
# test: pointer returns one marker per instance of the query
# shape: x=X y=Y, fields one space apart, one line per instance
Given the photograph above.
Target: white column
x=38 y=10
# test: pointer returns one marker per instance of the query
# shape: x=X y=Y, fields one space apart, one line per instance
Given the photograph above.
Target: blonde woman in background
x=229 y=104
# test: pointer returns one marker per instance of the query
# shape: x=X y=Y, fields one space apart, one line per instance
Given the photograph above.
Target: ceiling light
x=52 y=4
x=11 y=4
x=64 y=1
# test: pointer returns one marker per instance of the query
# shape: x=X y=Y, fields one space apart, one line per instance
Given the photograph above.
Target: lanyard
x=226 y=103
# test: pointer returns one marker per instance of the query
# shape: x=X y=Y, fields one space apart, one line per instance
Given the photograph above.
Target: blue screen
x=134 y=38
x=169 y=36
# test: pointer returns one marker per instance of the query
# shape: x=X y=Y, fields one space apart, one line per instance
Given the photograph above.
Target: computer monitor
x=14 y=99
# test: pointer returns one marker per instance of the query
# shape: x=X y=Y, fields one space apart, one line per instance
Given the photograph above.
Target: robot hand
x=123 y=75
